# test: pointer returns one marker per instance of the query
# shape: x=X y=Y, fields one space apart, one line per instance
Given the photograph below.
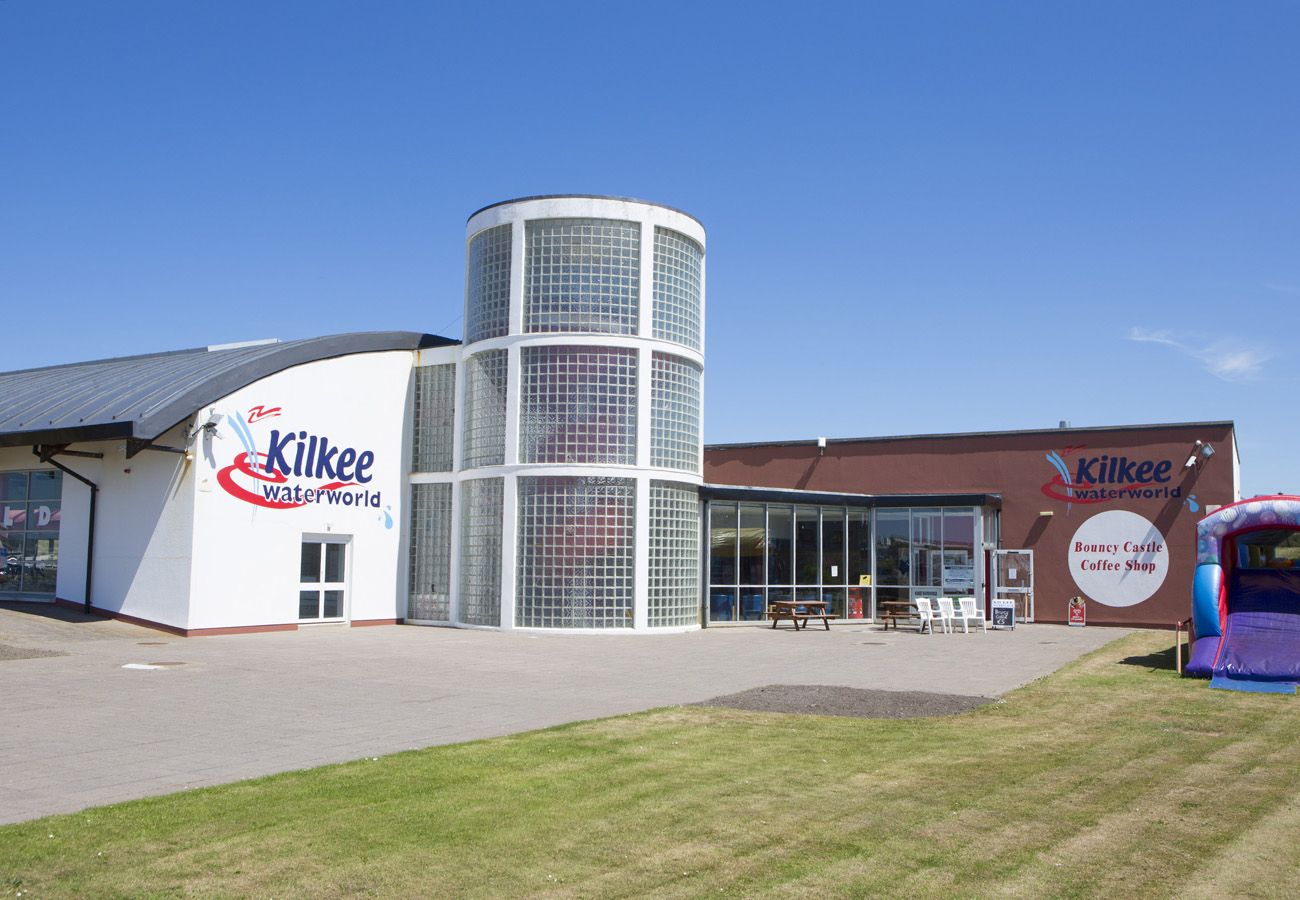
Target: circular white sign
x=1118 y=558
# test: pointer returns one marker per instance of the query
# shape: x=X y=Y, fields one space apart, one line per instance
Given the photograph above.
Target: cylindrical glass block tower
x=580 y=452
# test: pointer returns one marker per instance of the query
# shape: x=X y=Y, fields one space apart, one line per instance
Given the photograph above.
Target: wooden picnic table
x=893 y=610
x=790 y=609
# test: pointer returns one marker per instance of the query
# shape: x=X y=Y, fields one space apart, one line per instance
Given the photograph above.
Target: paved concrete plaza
x=80 y=730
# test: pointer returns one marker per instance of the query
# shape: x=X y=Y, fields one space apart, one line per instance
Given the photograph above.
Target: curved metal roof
x=142 y=397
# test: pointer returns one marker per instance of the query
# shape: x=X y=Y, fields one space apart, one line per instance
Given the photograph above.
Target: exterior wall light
x=1201 y=451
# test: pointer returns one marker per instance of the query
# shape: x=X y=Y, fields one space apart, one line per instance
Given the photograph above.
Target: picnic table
x=893 y=610
x=790 y=609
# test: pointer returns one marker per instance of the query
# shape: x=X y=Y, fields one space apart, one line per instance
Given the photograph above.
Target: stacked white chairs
x=968 y=613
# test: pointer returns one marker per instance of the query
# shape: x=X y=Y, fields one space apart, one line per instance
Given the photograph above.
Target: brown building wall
x=1016 y=465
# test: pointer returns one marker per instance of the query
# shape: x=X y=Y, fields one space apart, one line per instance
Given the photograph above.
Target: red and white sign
x=1078 y=611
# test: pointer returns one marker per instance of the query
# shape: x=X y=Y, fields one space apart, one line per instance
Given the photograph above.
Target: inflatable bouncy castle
x=1246 y=596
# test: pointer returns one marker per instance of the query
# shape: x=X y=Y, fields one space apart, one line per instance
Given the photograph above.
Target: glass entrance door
x=322 y=588
x=1013 y=579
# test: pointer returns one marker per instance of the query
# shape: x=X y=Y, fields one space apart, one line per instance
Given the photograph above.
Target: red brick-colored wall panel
x=1016 y=466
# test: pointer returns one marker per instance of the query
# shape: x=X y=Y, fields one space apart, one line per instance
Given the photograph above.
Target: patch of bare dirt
x=831 y=700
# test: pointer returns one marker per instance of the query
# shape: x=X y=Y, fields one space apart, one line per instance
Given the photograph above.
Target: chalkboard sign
x=1004 y=613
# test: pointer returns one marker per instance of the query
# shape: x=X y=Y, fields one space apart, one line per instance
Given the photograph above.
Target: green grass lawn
x=1112 y=777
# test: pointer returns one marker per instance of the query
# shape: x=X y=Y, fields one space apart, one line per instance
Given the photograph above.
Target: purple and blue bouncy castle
x=1246 y=596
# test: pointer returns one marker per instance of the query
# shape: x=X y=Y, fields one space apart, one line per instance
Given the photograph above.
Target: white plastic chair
x=925 y=614
x=968 y=613
x=947 y=615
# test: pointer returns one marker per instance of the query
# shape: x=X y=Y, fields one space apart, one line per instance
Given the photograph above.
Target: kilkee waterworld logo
x=298 y=469
x=1100 y=479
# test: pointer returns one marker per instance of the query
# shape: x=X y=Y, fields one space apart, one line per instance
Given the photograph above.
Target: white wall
x=143 y=535
x=246 y=556
x=143 y=532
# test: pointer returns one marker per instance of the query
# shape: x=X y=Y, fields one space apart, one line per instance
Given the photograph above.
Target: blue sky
x=923 y=217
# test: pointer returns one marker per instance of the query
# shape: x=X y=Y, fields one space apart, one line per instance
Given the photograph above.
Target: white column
x=641 y=554
x=509 y=548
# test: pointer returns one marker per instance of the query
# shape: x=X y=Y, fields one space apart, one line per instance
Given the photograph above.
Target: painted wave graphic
x=246 y=438
x=1059 y=464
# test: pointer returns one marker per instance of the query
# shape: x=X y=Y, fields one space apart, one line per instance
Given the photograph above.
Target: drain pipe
x=46 y=455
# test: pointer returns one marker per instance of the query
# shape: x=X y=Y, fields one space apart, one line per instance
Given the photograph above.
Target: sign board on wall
x=1118 y=558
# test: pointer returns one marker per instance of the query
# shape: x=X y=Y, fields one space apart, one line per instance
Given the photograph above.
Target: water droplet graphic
x=1192 y=504
x=388 y=517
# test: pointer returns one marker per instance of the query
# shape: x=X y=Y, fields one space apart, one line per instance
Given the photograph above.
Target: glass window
x=41 y=563
x=333 y=606
x=486 y=374
x=892 y=538
x=582 y=275
x=308 y=604
x=807 y=564
x=833 y=545
x=576 y=552
x=722 y=543
x=674 y=565
x=430 y=558
x=487 y=285
x=31 y=514
x=722 y=604
x=334 y=562
x=481 y=511
x=578 y=405
x=892 y=599
x=927 y=546
x=959 y=559
x=859 y=545
x=13 y=486
x=434 y=418
x=835 y=602
x=752 y=606
x=310 y=566
x=678 y=262
x=675 y=413
x=46 y=485
x=751 y=544
x=780 y=545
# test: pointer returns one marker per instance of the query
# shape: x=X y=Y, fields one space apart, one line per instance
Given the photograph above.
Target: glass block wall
x=675 y=413
x=578 y=405
x=485 y=409
x=582 y=275
x=677 y=285
x=576 y=552
x=480 y=551
x=434 y=418
x=487 y=285
x=430 y=559
x=579 y=422
x=674 y=581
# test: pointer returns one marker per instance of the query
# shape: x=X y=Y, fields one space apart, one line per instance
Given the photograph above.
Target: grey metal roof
x=142 y=397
